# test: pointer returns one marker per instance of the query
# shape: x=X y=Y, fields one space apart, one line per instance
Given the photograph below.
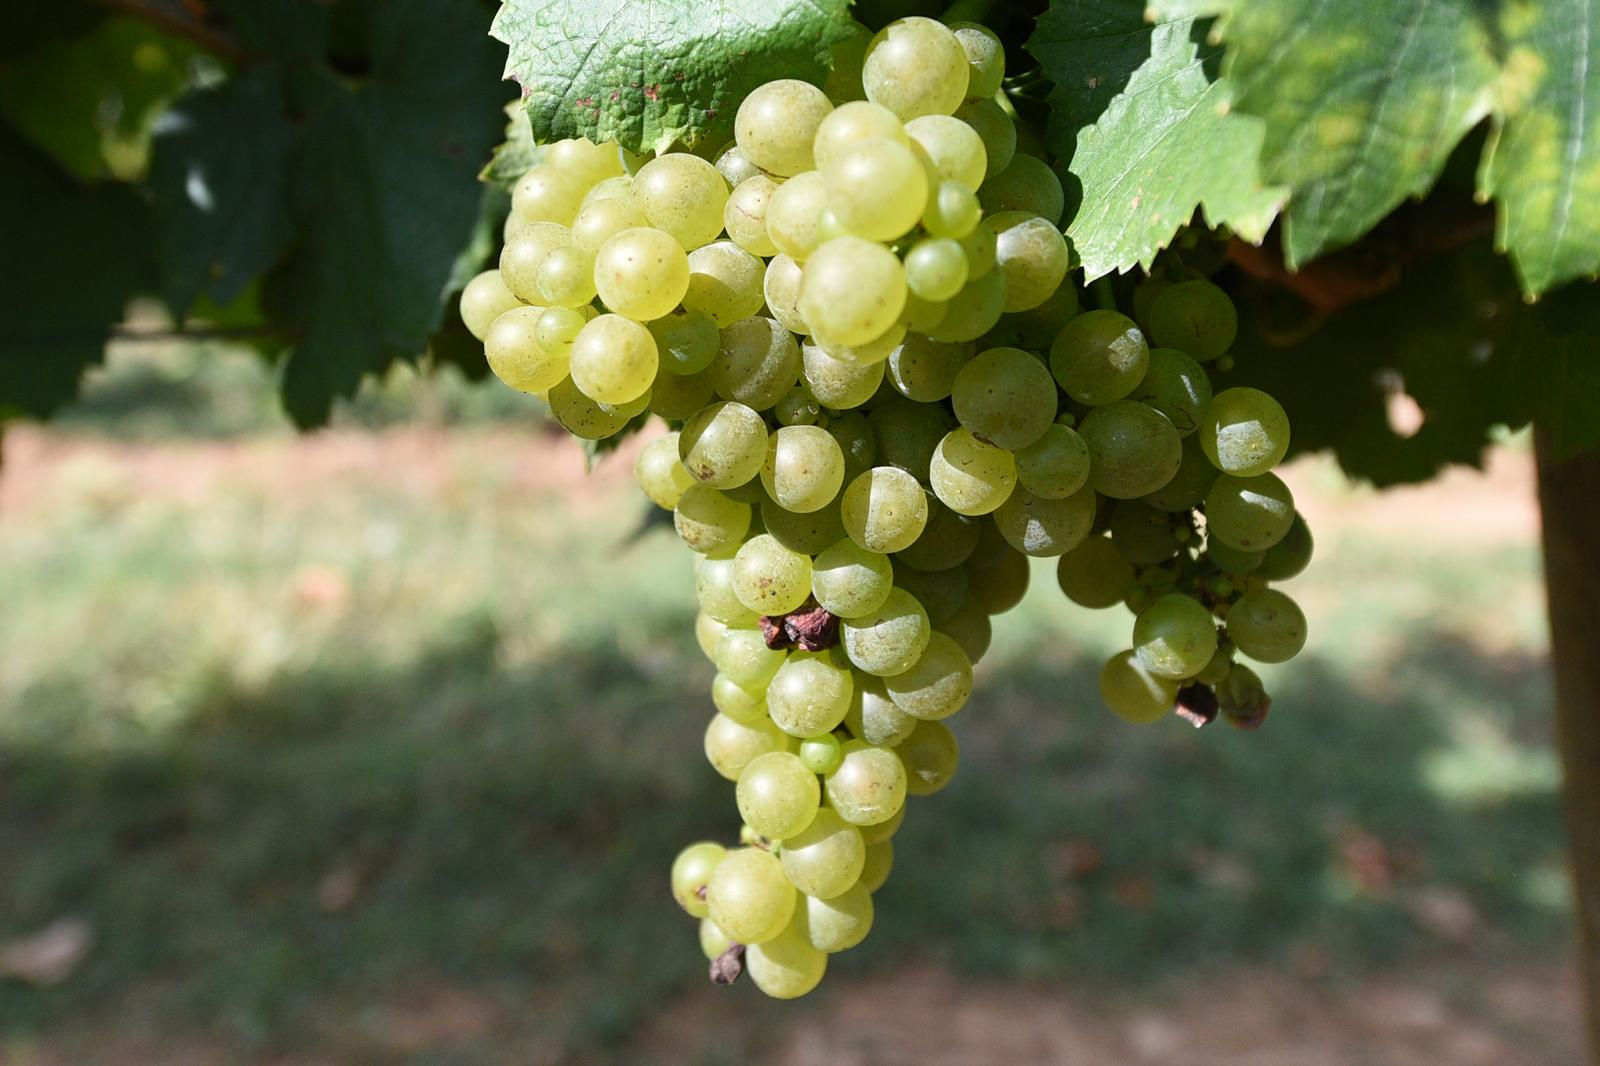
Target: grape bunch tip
x=884 y=399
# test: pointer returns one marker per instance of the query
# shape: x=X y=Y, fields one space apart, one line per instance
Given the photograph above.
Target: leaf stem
x=1105 y=297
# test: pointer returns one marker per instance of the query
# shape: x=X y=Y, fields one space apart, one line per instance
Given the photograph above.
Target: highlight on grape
x=884 y=399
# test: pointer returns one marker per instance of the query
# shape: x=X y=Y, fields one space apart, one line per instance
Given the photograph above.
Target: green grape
x=1056 y=465
x=545 y=194
x=619 y=187
x=986 y=59
x=1032 y=254
x=804 y=468
x=683 y=195
x=660 y=475
x=737 y=702
x=852 y=291
x=707 y=631
x=940 y=592
x=953 y=147
x=880 y=860
x=677 y=397
x=1133 y=693
x=749 y=898
x=884 y=509
x=566 y=277
x=743 y=655
x=614 y=360
x=874 y=717
x=1037 y=327
x=1045 y=528
x=758 y=364
x=798 y=408
x=792 y=214
x=1142 y=534
x=877 y=189
x=1133 y=449
x=1095 y=575
x=809 y=694
x=627 y=411
x=777 y=795
x=1249 y=513
x=1175 y=637
x=825 y=858
x=725 y=282
x=708 y=521
x=856 y=440
x=952 y=210
x=769 y=578
x=1026 y=184
x=908 y=433
x=723 y=445
x=641 y=273
x=734 y=166
x=853 y=124
x=969 y=475
x=915 y=66
x=1099 y=357
x=692 y=869
x=838 y=384
x=849 y=581
x=973 y=311
x=1289 y=556
x=515 y=355
x=947 y=540
x=931 y=755
x=788 y=966
x=1231 y=560
x=969 y=627
x=936 y=268
x=1144 y=297
x=558 y=327
x=484 y=299
x=889 y=639
x=869 y=786
x=600 y=220
x=1220 y=666
x=745 y=216
x=1244 y=432
x=999 y=586
x=981 y=247
x=777 y=123
x=731 y=745
x=781 y=285
x=937 y=685
x=1006 y=396
x=580 y=415
x=1188 y=487
x=924 y=370
x=713 y=941
x=713 y=588
x=1242 y=698
x=810 y=532
x=1194 y=317
x=876 y=350
x=995 y=129
x=1267 y=626
x=686 y=341
x=840 y=923
x=524 y=254
x=583 y=159
x=820 y=753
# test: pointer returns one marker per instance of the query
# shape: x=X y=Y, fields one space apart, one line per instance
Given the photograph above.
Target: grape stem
x=1105 y=297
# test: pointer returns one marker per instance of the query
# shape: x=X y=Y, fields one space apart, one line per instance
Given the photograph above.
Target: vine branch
x=191 y=19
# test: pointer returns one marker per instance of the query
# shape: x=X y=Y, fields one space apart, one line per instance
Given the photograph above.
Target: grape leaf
x=1158 y=149
x=516 y=154
x=648 y=73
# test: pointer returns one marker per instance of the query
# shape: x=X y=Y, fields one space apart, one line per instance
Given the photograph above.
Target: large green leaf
x=1163 y=145
x=648 y=73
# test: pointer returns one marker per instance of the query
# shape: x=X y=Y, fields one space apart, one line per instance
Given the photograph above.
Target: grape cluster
x=886 y=400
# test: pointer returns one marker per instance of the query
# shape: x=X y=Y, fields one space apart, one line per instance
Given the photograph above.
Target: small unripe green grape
x=937 y=685
x=948 y=540
x=1133 y=693
x=1033 y=256
x=821 y=754
x=1045 y=528
x=973 y=311
x=825 y=858
x=857 y=440
x=566 y=277
x=745 y=216
x=725 y=282
x=781 y=284
x=930 y=755
x=838 y=383
x=558 y=327
x=1267 y=626
x=742 y=654
x=840 y=923
x=880 y=860
x=1175 y=637
x=994 y=128
x=683 y=195
x=810 y=533
x=1133 y=449
x=777 y=123
x=969 y=627
x=723 y=445
x=986 y=59
x=849 y=581
x=809 y=694
x=581 y=416
x=952 y=210
x=924 y=370
x=1026 y=184
x=686 y=341
x=1195 y=317
x=1006 y=396
x=1188 y=487
x=884 y=509
x=1056 y=465
x=1289 y=556
x=1244 y=432
x=641 y=273
x=769 y=578
x=730 y=746
x=792 y=214
x=1249 y=514
x=660 y=475
x=954 y=148
x=852 y=124
x=936 y=268
x=889 y=639
x=788 y=966
x=1094 y=574
x=915 y=66
x=969 y=475
x=545 y=194
x=804 y=468
x=1099 y=357
x=709 y=522
x=691 y=872
x=734 y=165
x=523 y=255
x=713 y=941
x=1177 y=386
x=737 y=702
x=515 y=355
x=878 y=189
x=798 y=408
x=869 y=786
x=1000 y=585
x=677 y=397
x=940 y=592
x=600 y=220
x=873 y=716
x=777 y=795
x=1232 y=560
x=748 y=897
x=484 y=299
